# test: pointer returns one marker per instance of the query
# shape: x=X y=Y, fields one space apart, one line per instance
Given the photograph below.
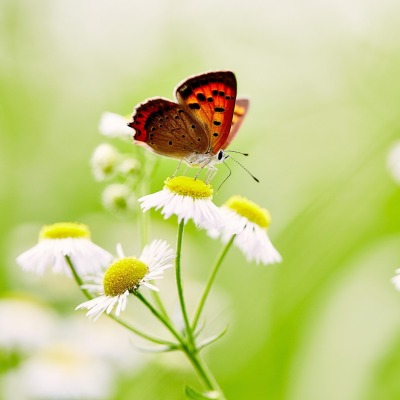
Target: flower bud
x=104 y=161
x=118 y=197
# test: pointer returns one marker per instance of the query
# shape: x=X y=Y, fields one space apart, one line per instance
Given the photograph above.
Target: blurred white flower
x=118 y=197
x=249 y=222
x=59 y=372
x=129 y=167
x=125 y=276
x=187 y=198
x=114 y=125
x=64 y=239
x=396 y=279
x=25 y=324
x=105 y=340
x=393 y=161
x=104 y=161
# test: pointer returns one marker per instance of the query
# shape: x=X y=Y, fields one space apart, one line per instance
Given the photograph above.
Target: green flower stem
x=144 y=221
x=116 y=319
x=160 y=304
x=77 y=278
x=179 y=285
x=205 y=375
x=210 y=282
x=165 y=321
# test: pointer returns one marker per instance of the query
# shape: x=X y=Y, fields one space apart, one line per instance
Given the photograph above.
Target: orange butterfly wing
x=211 y=99
x=240 y=111
x=168 y=129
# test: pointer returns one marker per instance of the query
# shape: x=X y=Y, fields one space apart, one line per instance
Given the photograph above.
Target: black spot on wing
x=194 y=106
x=201 y=97
x=186 y=92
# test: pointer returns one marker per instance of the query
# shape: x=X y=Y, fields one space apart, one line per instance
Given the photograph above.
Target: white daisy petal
x=251 y=238
x=186 y=198
x=120 y=251
x=60 y=240
x=150 y=286
x=158 y=253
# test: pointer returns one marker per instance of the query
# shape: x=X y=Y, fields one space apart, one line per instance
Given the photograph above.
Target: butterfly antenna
x=230 y=173
x=237 y=162
x=238 y=152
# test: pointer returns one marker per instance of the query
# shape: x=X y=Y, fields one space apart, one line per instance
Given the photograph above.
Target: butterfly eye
x=220 y=155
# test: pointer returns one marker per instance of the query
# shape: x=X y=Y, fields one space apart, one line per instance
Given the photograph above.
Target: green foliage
x=324 y=89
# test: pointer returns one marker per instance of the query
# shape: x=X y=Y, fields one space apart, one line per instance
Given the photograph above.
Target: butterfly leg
x=177 y=168
x=210 y=174
x=200 y=169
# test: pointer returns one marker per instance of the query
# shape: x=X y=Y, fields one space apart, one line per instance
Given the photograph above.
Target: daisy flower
x=125 y=276
x=249 y=222
x=64 y=239
x=114 y=125
x=187 y=198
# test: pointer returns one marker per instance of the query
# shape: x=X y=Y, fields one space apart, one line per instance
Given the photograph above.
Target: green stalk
x=179 y=284
x=205 y=374
x=210 y=281
x=198 y=364
x=150 y=338
x=144 y=223
x=165 y=321
x=77 y=278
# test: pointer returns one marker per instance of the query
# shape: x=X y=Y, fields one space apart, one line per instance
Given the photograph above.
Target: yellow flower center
x=63 y=230
x=249 y=210
x=124 y=274
x=186 y=186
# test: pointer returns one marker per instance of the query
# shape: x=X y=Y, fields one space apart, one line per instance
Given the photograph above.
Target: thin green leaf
x=162 y=349
x=212 y=339
x=196 y=395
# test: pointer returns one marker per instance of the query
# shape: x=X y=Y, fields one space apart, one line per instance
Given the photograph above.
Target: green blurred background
x=323 y=78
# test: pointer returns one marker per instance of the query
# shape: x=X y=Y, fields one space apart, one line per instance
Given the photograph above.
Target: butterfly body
x=198 y=126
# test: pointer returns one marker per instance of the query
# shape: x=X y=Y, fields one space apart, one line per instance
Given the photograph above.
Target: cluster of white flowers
x=65 y=246
x=191 y=199
x=108 y=163
x=184 y=197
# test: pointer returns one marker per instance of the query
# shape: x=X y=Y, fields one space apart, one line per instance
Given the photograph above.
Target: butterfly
x=198 y=126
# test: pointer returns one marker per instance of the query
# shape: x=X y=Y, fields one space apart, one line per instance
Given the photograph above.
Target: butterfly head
x=221 y=156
